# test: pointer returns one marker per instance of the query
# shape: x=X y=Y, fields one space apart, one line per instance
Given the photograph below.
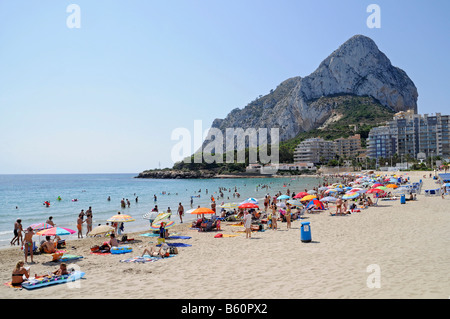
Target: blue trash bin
x=305 y=232
x=402 y=199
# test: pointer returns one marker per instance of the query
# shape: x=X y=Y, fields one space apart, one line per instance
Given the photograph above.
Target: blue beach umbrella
x=283 y=197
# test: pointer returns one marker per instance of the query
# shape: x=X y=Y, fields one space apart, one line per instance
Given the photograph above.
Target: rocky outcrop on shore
x=177 y=174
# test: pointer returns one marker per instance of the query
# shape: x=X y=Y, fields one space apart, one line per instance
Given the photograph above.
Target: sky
x=106 y=96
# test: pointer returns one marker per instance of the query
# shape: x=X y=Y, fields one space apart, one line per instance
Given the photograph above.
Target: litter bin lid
x=305 y=223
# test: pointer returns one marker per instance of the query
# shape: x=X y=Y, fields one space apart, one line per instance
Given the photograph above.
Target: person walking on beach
x=17 y=233
x=28 y=243
x=180 y=212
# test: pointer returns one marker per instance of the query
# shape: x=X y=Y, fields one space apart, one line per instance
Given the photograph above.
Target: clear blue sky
x=106 y=97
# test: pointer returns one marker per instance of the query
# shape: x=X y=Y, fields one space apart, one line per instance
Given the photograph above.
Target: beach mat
x=179 y=237
x=176 y=245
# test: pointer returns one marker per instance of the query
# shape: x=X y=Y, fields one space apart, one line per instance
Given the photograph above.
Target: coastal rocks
x=176 y=174
x=356 y=68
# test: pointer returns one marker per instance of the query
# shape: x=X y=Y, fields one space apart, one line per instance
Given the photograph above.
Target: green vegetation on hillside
x=354 y=115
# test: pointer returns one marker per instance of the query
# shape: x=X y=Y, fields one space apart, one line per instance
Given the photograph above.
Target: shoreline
x=406 y=241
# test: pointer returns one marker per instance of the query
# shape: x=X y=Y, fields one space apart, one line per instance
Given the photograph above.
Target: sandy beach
x=406 y=246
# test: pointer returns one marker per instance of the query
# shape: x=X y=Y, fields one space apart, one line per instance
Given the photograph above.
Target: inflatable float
x=54 y=280
x=121 y=250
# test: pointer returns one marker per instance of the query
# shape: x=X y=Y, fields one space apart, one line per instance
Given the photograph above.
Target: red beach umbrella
x=249 y=205
x=301 y=195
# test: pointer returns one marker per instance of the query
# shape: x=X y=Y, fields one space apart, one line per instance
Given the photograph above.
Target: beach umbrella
x=317 y=203
x=323 y=188
x=446 y=185
x=40 y=226
x=248 y=205
x=162 y=216
x=331 y=190
x=55 y=231
x=283 y=197
x=351 y=196
x=376 y=185
x=250 y=200
x=338 y=189
x=308 y=198
x=229 y=205
x=328 y=199
x=391 y=186
x=294 y=202
x=202 y=210
x=384 y=188
x=281 y=204
x=167 y=224
x=102 y=229
x=311 y=192
x=301 y=195
x=150 y=215
x=121 y=219
x=374 y=190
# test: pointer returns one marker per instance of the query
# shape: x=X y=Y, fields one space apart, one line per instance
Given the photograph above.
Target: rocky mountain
x=356 y=68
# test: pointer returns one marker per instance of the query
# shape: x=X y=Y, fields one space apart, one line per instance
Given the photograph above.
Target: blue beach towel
x=179 y=237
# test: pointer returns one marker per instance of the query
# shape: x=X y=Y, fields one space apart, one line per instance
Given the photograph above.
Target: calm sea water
x=23 y=196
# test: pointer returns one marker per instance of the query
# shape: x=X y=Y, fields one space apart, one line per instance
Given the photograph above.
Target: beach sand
x=408 y=246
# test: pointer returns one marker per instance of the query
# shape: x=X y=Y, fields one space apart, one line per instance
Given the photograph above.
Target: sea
x=23 y=196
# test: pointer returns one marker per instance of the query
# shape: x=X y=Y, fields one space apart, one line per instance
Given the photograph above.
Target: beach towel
x=179 y=237
x=98 y=253
x=150 y=235
x=176 y=245
x=68 y=257
x=144 y=259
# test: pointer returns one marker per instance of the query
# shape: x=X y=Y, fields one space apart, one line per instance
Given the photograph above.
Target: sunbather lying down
x=154 y=251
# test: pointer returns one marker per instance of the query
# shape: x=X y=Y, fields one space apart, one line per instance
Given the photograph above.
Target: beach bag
x=124 y=238
x=218 y=236
x=173 y=250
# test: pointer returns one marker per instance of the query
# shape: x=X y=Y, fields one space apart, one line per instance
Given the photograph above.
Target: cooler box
x=305 y=232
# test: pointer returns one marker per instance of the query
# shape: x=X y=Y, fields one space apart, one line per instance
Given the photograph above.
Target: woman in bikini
x=17 y=274
x=28 y=243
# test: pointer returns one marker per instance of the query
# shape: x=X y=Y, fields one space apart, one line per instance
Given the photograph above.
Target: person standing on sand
x=28 y=243
x=274 y=216
x=80 y=222
x=288 y=216
x=180 y=212
x=338 y=205
x=248 y=224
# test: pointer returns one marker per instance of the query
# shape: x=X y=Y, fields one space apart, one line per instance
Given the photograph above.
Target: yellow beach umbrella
x=121 y=218
x=308 y=197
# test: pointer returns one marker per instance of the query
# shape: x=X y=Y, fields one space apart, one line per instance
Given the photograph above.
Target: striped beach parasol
x=121 y=219
x=60 y=231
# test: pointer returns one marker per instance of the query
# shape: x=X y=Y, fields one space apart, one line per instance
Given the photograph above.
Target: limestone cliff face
x=357 y=67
